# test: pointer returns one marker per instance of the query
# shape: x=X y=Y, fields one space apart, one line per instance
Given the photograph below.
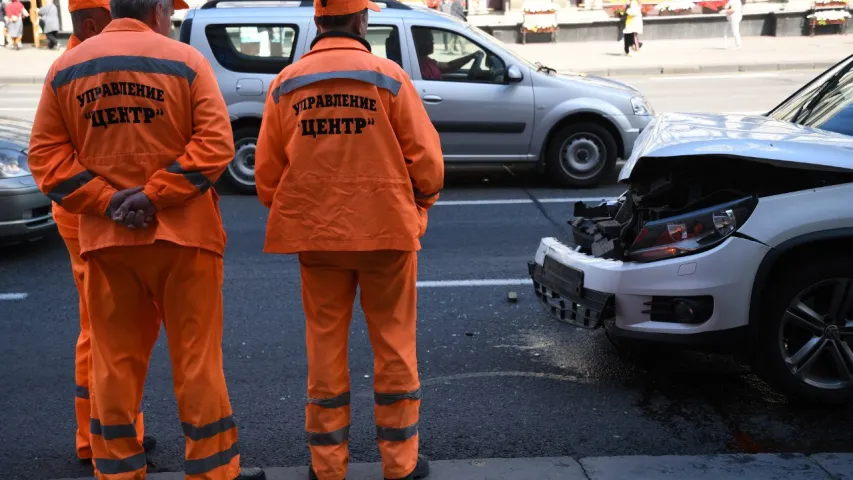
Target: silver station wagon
x=489 y=105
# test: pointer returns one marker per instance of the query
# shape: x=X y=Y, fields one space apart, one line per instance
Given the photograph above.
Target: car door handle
x=432 y=98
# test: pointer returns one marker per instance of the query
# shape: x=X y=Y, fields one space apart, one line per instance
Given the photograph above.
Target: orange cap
x=180 y=5
x=74 y=5
x=323 y=8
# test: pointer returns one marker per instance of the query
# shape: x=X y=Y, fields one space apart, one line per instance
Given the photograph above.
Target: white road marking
x=17 y=109
x=492 y=282
x=12 y=296
x=517 y=201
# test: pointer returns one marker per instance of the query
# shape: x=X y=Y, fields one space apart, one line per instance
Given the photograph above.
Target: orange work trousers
x=82 y=406
x=389 y=299
x=126 y=288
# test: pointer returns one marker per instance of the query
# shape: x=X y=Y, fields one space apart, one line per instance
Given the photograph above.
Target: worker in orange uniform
x=130 y=134
x=88 y=18
x=349 y=163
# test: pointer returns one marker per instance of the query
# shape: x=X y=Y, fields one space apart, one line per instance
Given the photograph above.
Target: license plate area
x=561 y=290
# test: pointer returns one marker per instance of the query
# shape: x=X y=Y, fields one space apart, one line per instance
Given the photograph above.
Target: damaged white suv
x=735 y=231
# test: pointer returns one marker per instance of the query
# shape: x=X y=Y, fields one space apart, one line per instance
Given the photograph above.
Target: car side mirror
x=514 y=75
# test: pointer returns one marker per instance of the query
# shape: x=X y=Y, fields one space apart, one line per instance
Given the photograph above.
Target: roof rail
x=392 y=4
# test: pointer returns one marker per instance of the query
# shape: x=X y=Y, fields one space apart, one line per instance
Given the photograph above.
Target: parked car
x=497 y=108
x=735 y=232
x=25 y=212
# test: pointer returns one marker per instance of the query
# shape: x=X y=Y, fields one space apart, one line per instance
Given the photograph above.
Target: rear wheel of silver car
x=581 y=155
x=241 y=171
x=806 y=335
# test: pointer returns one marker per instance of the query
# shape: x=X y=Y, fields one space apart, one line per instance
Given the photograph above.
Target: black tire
x=241 y=171
x=768 y=360
x=592 y=141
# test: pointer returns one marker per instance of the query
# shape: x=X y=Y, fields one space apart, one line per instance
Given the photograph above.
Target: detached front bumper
x=561 y=289
x=642 y=298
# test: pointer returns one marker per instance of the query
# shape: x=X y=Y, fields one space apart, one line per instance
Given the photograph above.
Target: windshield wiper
x=543 y=68
x=821 y=93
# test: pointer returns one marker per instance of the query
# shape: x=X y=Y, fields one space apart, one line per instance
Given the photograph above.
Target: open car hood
x=751 y=137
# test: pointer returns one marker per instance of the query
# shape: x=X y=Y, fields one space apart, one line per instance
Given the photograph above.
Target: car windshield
x=825 y=103
x=485 y=37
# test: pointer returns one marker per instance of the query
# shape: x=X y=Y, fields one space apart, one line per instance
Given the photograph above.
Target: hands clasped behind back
x=132 y=208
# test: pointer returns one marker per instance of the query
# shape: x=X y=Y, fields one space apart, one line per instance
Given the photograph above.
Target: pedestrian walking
x=88 y=18
x=734 y=14
x=453 y=8
x=15 y=15
x=132 y=142
x=633 y=26
x=349 y=163
x=49 y=21
x=3 y=23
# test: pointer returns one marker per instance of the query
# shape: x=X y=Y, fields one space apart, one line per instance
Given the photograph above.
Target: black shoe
x=311 y=474
x=149 y=443
x=421 y=470
x=252 y=473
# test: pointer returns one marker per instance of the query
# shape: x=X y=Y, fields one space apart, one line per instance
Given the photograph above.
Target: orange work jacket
x=66 y=221
x=347 y=158
x=127 y=108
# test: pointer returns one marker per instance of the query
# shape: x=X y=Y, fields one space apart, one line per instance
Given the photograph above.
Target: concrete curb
x=708 y=69
x=823 y=466
x=23 y=79
x=606 y=72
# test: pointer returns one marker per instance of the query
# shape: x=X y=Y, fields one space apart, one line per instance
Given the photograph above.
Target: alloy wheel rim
x=816 y=335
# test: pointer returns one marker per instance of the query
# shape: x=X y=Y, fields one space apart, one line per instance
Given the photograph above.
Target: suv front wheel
x=240 y=173
x=806 y=336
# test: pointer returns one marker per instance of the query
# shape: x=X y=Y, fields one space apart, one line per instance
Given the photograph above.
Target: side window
x=384 y=41
x=447 y=56
x=253 y=48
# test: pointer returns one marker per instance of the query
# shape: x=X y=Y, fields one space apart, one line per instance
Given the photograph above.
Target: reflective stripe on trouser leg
x=389 y=299
x=328 y=291
x=397 y=417
x=327 y=440
x=123 y=328
x=192 y=313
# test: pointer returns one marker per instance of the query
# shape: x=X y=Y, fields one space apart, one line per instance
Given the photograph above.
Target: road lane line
x=16 y=109
x=491 y=282
x=12 y=296
x=516 y=201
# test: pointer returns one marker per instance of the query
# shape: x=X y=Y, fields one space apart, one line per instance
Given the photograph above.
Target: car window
x=485 y=37
x=385 y=42
x=825 y=103
x=253 y=48
x=447 y=56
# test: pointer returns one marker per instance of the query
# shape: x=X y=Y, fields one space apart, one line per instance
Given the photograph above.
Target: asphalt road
x=500 y=379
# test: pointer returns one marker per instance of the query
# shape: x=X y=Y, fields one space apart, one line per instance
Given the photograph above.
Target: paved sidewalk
x=825 y=466
x=691 y=56
x=599 y=58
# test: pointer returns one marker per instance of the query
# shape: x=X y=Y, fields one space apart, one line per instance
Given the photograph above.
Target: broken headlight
x=690 y=233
